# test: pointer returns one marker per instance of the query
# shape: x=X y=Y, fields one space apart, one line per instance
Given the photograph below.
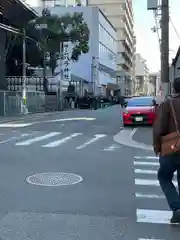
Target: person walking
x=166 y=142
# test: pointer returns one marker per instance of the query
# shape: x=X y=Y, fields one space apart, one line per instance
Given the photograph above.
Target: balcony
x=111 y=10
x=128 y=47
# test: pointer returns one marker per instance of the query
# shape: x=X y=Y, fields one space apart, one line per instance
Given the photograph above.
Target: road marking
x=149 y=182
x=144 y=171
x=124 y=138
x=153 y=216
x=149 y=239
x=16 y=138
x=61 y=141
x=147 y=157
x=97 y=137
x=131 y=134
x=111 y=148
x=15 y=125
x=153 y=196
x=38 y=139
x=146 y=163
x=70 y=119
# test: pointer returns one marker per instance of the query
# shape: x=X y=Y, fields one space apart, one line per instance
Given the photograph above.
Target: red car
x=139 y=110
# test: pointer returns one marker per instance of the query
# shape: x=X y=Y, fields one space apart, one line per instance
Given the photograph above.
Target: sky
x=147 y=41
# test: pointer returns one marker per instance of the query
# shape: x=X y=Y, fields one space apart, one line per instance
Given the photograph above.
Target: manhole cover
x=54 y=179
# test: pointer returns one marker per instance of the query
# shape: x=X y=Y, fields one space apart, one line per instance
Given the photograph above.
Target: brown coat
x=164 y=123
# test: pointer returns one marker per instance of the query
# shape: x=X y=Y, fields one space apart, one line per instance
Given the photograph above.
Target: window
x=140 y=102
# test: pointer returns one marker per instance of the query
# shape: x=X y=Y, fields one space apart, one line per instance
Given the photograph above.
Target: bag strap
x=174 y=117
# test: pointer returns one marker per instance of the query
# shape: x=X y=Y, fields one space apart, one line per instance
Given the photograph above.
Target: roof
x=176 y=57
x=17 y=13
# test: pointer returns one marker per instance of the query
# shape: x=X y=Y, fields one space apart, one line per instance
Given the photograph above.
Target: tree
x=50 y=30
x=46 y=40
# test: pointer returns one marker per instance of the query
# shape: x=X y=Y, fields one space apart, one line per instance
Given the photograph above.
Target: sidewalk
x=29 y=116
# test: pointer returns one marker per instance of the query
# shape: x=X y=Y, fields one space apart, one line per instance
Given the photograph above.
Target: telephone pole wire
x=165 y=46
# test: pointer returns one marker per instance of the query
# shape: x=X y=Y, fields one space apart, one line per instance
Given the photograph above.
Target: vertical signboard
x=66 y=61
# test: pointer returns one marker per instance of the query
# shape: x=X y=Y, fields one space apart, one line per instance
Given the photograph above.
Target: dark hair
x=176 y=85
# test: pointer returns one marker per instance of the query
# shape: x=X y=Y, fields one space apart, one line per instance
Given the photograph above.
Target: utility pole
x=93 y=75
x=24 y=97
x=60 y=87
x=165 y=46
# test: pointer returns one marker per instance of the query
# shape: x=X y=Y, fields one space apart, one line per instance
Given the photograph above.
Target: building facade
x=97 y=68
x=175 y=68
x=120 y=14
x=141 y=76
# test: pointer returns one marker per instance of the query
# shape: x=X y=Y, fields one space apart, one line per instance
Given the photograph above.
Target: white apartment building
x=141 y=76
x=120 y=14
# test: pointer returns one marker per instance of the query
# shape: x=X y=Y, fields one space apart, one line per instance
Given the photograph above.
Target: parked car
x=139 y=110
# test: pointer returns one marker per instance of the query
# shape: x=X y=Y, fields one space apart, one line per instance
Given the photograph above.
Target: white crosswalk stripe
x=97 y=137
x=37 y=139
x=61 y=141
x=151 y=207
x=48 y=140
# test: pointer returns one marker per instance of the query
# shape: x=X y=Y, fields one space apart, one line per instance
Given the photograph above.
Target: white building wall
x=140 y=68
x=107 y=43
x=83 y=67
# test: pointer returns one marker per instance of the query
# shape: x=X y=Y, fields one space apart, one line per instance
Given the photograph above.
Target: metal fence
x=11 y=103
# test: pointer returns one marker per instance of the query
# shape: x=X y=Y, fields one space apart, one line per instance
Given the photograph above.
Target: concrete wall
x=2 y=62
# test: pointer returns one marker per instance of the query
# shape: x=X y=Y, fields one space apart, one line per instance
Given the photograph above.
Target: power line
x=157 y=27
x=174 y=28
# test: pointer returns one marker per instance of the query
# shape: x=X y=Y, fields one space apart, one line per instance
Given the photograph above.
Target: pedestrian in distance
x=166 y=142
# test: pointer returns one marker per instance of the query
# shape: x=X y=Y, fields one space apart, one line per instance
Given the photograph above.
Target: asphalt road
x=100 y=206
x=112 y=196
x=143 y=135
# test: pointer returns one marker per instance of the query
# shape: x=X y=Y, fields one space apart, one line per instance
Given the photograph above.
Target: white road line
x=111 y=148
x=131 y=134
x=15 y=138
x=15 y=125
x=38 y=139
x=146 y=163
x=153 y=216
x=146 y=157
x=149 y=239
x=97 y=137
x=149 y=182
x=144 y=171
x=124 y=138
x=61 y=141
x=153 y=196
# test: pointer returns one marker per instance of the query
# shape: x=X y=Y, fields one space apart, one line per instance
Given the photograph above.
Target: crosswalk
x=151 y=205
x=49 y=140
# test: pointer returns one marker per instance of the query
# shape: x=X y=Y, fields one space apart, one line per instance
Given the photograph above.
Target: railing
x=11 y=103
x=34 y=84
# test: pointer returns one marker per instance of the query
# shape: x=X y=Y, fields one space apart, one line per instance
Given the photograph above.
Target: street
x=77 y=175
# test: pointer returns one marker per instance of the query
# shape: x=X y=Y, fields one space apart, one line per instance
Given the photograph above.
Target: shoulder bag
x=171 y=142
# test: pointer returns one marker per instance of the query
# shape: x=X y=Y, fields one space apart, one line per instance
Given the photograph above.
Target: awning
x=17 y=13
